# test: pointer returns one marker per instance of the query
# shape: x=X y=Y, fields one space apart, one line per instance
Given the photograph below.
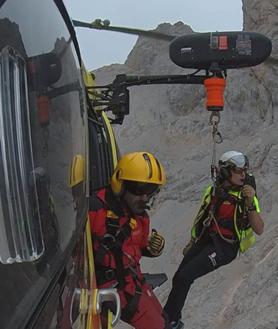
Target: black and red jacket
x=105 y=211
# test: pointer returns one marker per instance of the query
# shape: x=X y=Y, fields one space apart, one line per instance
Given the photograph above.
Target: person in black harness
x=120 y=228
x=224 y=225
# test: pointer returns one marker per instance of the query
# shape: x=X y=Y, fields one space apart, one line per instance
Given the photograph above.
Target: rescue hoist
x=215 y=87
x=214 y=53
x=210 y=54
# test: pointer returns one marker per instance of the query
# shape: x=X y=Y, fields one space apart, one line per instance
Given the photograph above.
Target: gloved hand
x=156 y=243
x=248 y=192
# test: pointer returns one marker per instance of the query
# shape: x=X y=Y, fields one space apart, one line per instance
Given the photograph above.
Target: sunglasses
x=138 y=188
x=240 y=171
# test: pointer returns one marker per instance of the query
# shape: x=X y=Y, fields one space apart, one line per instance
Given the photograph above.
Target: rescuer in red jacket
x=121 y=236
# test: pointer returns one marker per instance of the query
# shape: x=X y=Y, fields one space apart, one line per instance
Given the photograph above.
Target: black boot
x=177 y=324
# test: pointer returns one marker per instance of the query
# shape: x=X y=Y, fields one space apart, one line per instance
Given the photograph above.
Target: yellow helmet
x=140 y=167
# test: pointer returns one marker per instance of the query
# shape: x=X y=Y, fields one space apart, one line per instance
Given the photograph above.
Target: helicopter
x=57 y=146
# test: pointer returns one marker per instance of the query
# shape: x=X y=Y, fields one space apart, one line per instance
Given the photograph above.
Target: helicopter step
x=155 y=280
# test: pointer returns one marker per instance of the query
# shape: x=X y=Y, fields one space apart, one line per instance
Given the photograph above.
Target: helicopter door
x=43 y=124
x=103 y=159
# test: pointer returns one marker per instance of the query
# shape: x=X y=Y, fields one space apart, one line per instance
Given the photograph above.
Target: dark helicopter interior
x=48 y=121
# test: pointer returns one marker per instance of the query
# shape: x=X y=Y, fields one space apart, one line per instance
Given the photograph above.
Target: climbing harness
x=111 y=244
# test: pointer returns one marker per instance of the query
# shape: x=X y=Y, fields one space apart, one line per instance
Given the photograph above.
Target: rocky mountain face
x=171 y=121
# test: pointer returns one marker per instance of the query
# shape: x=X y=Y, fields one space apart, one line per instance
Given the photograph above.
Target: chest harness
x=111 y=243
x=207 y=215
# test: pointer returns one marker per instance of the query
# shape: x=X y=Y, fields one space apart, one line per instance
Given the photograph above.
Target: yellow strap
x=111 y=214
x=93 y=289
x=110 y=318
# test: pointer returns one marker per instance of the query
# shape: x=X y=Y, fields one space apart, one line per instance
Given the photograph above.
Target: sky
x=99 y=48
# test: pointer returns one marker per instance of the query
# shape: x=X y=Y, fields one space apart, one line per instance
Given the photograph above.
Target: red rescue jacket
x=106 y=209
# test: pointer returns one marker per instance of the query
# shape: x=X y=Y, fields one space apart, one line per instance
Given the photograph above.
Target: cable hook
x=217 y=139
x=214 y=121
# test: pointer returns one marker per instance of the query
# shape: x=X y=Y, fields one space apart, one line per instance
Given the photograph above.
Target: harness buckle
x=110 y=274
x=107 y=242
x=138 y=291
x=108 y=238
x=206 y=222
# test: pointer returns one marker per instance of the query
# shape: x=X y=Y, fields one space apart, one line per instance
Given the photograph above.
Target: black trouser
x=202 y=257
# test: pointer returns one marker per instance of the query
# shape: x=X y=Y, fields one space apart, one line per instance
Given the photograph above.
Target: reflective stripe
x=256 y=203
x=204 y=204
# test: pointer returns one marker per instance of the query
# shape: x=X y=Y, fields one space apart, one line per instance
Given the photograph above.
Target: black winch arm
x=114 y=97
x=123 y=80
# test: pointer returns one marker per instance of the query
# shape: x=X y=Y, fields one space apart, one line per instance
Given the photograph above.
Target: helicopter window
x=100 y=155
x=109 y=156
x=21 y=237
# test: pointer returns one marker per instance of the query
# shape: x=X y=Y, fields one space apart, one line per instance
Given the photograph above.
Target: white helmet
x=233 y=159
